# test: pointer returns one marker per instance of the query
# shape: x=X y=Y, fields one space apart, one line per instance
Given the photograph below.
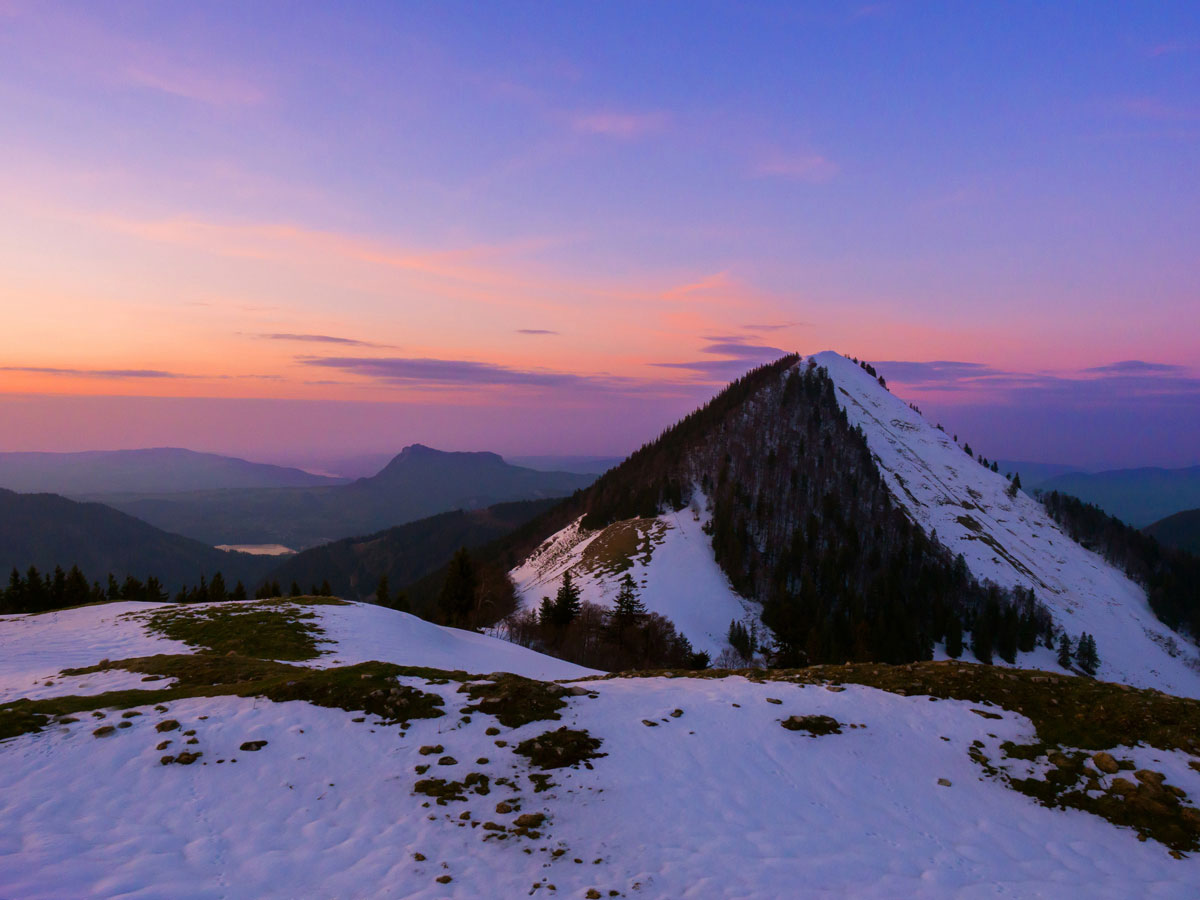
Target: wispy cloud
x=775 y=326
x=93 y=47
x=319 y=339
x=719 y=283
x=1155 y=109
x=871 y=11
x=808 y=167
x=1137 y=367
x=426 y=372
x=1112 y=384
x=738 y=356
x=1169 y=48
x=202 y=84
x=536 y=331
x=614 y=124
x=96 y=373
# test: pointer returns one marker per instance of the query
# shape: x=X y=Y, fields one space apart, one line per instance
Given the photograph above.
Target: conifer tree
x=567 y=601
x=382 y=597
x=628 y=611
x=954 y=638
x=1086 y=655
x=1064 y=651
x=981 y=640
x=295 y=591
x=456 y=601
x=239 y=592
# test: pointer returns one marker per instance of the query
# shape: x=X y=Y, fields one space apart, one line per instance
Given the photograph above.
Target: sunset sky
x=290 y=230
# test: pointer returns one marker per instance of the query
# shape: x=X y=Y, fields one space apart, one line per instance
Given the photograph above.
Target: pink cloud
x=212 y=88
x=810 y=167
x=1156 y=109
x=1171 y=47
x=618 y=124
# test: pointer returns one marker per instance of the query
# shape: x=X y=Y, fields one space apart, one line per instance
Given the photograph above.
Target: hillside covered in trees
x=801 y=522
x=1170 y=575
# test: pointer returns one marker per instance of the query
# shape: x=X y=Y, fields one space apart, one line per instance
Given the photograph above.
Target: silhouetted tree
x=457 y=598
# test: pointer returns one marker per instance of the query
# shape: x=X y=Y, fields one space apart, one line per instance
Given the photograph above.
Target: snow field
x=718 y=802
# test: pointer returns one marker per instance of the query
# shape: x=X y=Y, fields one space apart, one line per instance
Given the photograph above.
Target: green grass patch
x=516 y=701
x=369 y=687
x=615 y=549
x=560 y=748
x=264 y=629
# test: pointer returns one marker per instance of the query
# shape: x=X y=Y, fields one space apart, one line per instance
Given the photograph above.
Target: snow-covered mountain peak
x=1008 y=537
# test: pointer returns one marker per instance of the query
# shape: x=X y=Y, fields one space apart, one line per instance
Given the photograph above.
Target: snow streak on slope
x=1011 y=541
x=362 y=632
x=671 y=560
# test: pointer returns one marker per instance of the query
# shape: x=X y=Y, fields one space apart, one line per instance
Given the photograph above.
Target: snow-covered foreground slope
x=361 y=632
x=671 y=560
x=33 y=649
x=699 y=791
x=1011 y=541
x=719 y=802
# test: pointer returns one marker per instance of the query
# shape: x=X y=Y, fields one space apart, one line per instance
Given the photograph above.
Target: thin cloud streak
x=1122 y=382
x=424 y=372
x=618 y=124
x=807 y=167
x=97 y=373
x=319 y=339
x=740 y=357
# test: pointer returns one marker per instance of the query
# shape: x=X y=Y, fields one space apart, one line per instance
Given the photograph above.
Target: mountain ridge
x=48 y=530
x=417 y=483
x=93 y=473
x=982 y=552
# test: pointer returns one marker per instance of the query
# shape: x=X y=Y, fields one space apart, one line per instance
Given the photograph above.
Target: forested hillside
x=353 y=567
x=47 y=531
x=802 y=522
x=1170 y=575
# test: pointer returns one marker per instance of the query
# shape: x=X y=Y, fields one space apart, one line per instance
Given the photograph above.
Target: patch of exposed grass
x=560 y=748
x=370 y=687
x=817 y=726
x=264 y=629
x=516 y=701
x=1149 y=805
x=614 y=550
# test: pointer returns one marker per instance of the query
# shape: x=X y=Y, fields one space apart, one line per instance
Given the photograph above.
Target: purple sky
x=296 y=229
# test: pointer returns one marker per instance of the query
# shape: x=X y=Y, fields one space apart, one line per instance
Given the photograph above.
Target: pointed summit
x=809 y=502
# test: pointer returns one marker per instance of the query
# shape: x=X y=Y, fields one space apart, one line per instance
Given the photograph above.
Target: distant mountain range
x=155 y=470
x=1180 y=530
x=46 y=530
x=417 y=483
x=1136 y=496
